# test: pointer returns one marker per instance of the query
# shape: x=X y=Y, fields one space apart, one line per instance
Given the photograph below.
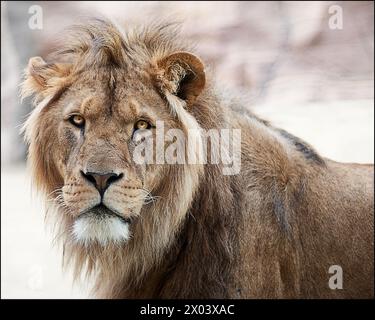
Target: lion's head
x=94 y=98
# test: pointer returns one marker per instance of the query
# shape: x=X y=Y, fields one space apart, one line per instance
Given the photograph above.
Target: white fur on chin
x=104 y=230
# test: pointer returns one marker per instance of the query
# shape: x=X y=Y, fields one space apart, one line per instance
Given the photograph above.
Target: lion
x=274 y=229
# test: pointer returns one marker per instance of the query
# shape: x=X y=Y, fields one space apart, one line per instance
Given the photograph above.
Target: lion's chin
x=104 y=230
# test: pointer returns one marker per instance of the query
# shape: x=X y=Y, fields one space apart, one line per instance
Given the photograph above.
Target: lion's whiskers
x=148 y=197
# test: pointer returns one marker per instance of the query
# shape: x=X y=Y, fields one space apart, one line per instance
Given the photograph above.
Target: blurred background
x=306 y=66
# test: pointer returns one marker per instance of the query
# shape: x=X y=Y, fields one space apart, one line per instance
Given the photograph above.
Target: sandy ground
x=31 y=267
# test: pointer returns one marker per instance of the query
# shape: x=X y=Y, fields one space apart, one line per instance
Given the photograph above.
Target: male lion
x=186 y=230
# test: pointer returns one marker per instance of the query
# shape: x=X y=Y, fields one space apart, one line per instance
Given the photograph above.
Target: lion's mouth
x=101 y=212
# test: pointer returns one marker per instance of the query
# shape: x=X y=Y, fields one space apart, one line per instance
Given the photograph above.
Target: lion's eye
x=142 y=124
x=77 y=120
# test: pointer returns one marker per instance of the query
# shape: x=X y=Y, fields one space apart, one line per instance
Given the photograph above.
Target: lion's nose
x=100 y=180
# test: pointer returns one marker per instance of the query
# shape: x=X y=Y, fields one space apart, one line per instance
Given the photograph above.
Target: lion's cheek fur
x=44 y=154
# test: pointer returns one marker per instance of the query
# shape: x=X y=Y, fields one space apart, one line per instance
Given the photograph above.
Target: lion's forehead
x=95 y=99
x=110 y=81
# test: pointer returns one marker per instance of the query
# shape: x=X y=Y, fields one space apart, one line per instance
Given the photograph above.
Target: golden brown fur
x=272 y=231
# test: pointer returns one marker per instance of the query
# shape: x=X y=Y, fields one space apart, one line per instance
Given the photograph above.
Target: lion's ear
x=42 y=78
x=181 y=74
